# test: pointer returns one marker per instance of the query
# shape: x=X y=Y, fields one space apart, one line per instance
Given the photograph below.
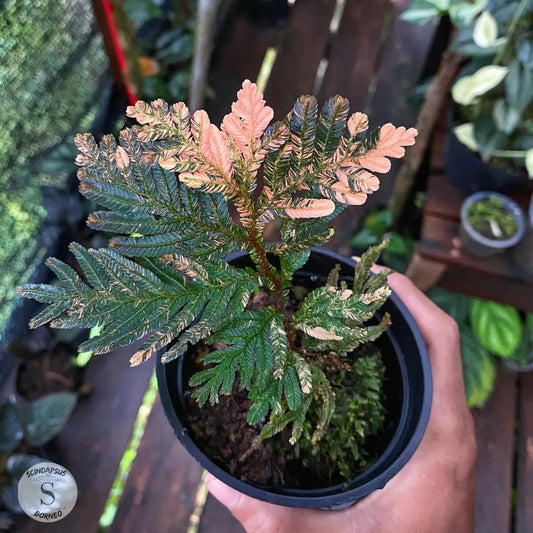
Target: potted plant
x=490 y=142
x=490 y=223
x=282 y=328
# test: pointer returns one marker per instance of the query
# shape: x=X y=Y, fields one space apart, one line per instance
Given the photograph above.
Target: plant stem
x=510 y=31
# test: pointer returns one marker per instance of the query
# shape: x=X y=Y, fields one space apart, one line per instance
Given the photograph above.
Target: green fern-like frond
x=133 y=300
x=150 y=211
x=335 y=318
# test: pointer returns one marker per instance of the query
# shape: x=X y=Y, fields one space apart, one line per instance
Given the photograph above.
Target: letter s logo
x=48 y=493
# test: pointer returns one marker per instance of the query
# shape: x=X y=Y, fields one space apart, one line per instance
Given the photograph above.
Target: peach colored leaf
x=194 y=180
x=366 y=181
x=390 y=144
x=121 y=157
x=318 y=332
x=212 y=142
x=308 y=208
x=248 y=119
x=346 y=195
x=357 y=123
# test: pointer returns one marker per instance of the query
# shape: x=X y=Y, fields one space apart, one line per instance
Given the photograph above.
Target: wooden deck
x=374 y=59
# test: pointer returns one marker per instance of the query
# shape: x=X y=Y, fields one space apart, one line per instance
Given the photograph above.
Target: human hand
x=434 y=492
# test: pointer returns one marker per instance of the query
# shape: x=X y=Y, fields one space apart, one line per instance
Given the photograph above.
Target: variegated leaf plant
x=165 y=189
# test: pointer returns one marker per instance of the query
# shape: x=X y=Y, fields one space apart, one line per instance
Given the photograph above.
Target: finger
x=441 y=336
x=254 y=515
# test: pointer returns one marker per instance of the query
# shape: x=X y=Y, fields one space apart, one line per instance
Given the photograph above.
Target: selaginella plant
x=168 y=188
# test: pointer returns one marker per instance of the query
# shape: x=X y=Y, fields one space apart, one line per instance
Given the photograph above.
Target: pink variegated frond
x=248 y=119
x=212 y=143
x=364 y=181
x=357 y=123
x=346 y=195
x=306 y=208
x=391 y=144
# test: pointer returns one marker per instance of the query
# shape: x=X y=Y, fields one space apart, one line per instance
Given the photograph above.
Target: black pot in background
x=479 y=245
x=469 y=173
x=408 y=375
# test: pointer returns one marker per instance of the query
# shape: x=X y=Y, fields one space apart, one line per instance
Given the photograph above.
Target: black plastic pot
x=469 y=173
x=409 y=390
x=481 y=246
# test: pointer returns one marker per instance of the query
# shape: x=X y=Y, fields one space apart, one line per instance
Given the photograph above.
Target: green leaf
x=485 y=30
x=463 y=13
x=456 y=305
x=330 y=128
x=11 y=431
x=465 y=134
x=479 y=369
x=365 y=238
x=529 y=162
x=524 y=51
x=497 y=326
x=488 y=137
x=467 y=88
x=506 y=117
x=291 y=387
x=421 y=12
x=303 y=122
x=141 y=11
x=17 y=464
x=45 y=417
x=519 y=86
x=10 y=498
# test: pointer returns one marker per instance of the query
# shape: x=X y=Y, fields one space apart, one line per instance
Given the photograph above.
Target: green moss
x=359 y=415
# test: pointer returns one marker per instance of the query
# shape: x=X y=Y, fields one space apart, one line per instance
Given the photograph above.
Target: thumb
x=254 y=515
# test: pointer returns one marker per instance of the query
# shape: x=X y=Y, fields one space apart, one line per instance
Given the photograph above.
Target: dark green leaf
x=11 y=431
x=291 y=388
x=487 y=136
x=365 y=238
x=497 y=326
x=45 y=417
x=141 y=11
x=456 y=305
x=479 y=369
x=524 y=52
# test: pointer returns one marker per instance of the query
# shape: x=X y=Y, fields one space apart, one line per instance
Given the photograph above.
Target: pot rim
x=333 y=497
x=513 y=208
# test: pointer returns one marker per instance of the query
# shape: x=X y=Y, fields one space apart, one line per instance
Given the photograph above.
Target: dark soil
x=222 y=433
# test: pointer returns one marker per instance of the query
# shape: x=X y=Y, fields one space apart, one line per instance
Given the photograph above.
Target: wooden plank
x=500 y=289
x=93 y=441
x=495 y=425
x=217 y=519
x=236 y=58
x=354 y=52
x=403 y=56
x=524 y=506
x=353 y=61
x=161 y=487
x=442 y=199
x=302 y=46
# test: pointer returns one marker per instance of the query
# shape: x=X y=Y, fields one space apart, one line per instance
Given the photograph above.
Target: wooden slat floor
x=374 y=59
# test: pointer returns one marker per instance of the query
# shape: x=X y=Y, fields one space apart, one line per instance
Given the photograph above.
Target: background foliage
x=52 y=64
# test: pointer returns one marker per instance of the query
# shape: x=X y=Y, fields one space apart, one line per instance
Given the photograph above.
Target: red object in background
x=104 y=14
